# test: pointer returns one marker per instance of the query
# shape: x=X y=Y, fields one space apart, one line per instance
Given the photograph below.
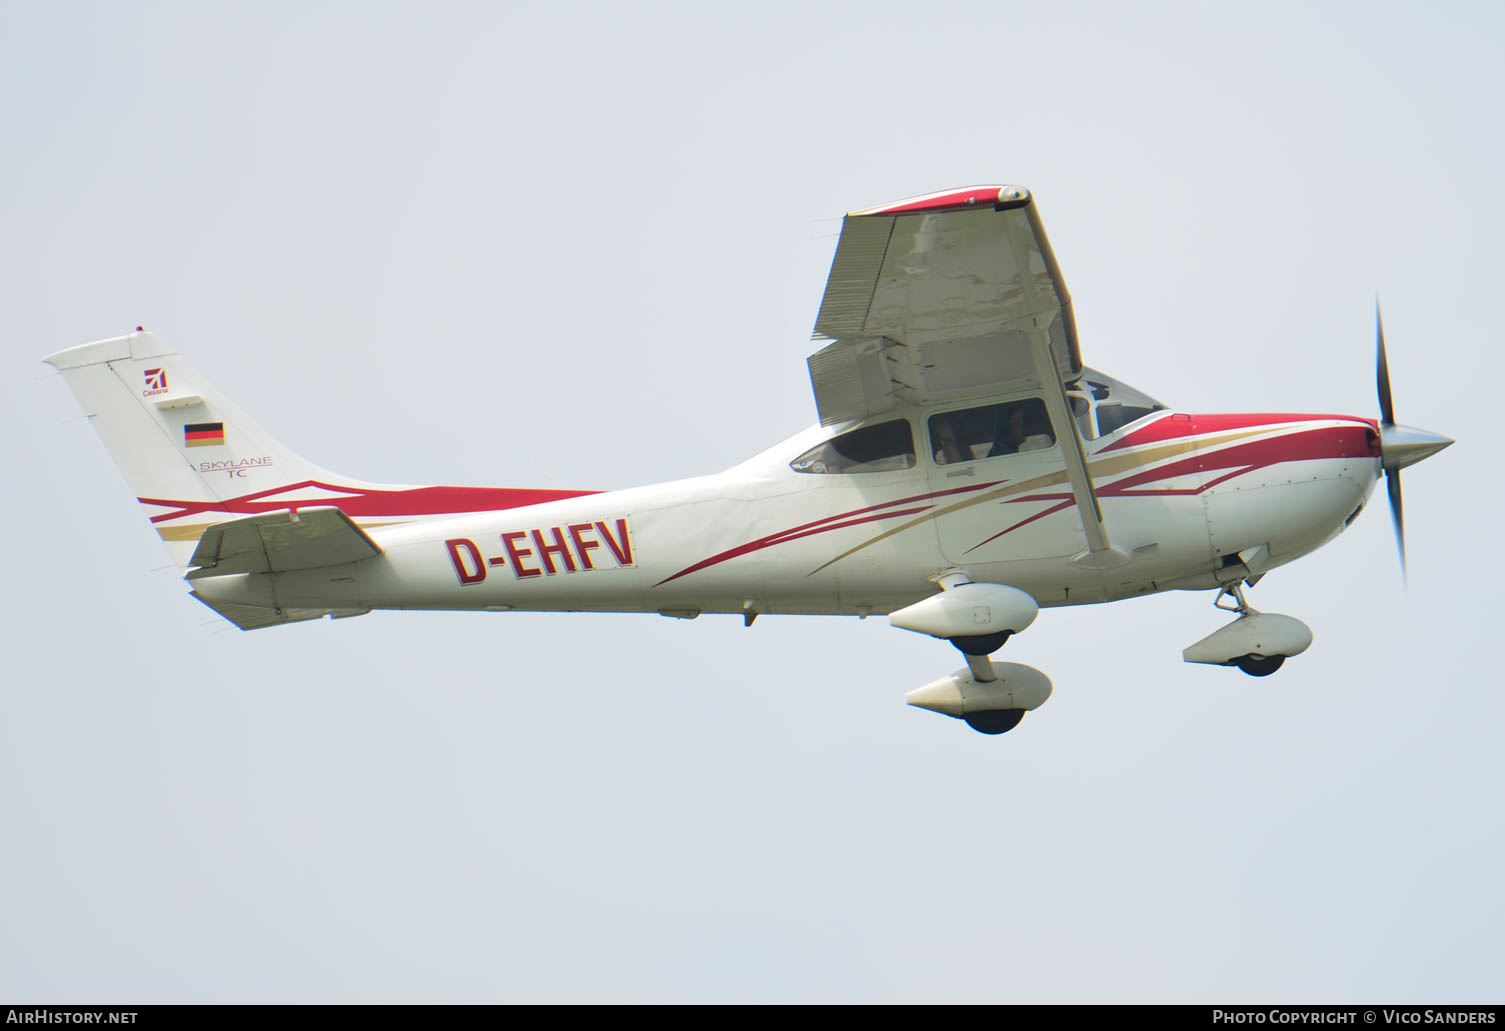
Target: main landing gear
x=1257 y=642
x=992 y=697
x=1260 y=666
x=984 y=644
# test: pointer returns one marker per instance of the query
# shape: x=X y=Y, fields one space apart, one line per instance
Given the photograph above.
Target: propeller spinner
x=1400 y=446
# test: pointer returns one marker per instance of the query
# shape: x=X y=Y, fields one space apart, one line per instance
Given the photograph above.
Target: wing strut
x=1100 y=553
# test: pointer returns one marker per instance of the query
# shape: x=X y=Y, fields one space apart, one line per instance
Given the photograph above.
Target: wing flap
x=275 y=542
x=855 y=380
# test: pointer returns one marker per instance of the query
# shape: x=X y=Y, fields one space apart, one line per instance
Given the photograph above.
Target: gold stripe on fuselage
x=193 y=531
x=1102 y=467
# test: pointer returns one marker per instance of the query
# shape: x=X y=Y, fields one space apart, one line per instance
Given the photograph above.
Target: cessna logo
x=156 y=382
x=550 y=550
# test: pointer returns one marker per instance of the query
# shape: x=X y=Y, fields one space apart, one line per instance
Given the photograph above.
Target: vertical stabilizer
x=191 y=456
x=194 y=459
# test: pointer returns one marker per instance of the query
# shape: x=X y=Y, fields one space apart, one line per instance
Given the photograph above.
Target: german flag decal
x=203 y=434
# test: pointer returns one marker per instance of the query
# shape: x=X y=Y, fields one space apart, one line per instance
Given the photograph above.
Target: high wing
x=938 y=297
x=946 y=296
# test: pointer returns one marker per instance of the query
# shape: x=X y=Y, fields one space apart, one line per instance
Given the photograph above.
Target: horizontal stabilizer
x=254 y=617
x=275 y=542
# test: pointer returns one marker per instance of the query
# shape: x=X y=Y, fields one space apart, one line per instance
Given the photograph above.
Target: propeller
x=1400 y=446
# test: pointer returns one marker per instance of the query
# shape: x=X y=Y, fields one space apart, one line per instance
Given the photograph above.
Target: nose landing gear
x=1257 y=642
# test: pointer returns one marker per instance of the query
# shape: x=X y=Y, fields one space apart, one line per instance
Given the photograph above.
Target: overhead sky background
x=537 y=245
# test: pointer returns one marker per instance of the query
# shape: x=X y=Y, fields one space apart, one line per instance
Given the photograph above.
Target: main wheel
x=1260 y=665
x=994 y=721
x=982 y=644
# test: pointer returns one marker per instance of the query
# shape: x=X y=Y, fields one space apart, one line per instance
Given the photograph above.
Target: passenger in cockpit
x=948 y=449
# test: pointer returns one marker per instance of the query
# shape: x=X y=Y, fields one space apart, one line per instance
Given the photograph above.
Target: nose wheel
x=1256 y=642
x=1254 y=665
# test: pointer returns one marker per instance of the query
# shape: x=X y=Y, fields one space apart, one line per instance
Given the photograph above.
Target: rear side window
x=886 y=447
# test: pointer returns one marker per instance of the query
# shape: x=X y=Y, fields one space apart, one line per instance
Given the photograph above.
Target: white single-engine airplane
x=967 y=469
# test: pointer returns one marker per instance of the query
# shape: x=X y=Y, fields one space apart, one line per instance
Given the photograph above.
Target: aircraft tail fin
x=189 y=454
x=196 y=461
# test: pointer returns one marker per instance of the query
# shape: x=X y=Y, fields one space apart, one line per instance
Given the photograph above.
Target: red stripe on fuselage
x=415 y=501
x=1176 y=426
x=828 y=523
x=1300 y=446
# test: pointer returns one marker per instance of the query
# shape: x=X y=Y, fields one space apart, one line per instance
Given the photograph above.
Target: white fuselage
x=1194 y=501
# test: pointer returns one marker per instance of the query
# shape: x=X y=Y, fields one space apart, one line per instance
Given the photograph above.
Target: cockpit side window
x=990 y=431
x=886 y=447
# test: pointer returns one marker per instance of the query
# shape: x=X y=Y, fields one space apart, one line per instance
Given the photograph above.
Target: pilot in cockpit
x=1009 y=434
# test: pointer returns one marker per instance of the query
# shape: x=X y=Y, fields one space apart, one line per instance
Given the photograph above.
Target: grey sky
x=532 y=245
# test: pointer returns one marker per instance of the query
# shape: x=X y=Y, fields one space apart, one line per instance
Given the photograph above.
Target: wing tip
x=1002 y=197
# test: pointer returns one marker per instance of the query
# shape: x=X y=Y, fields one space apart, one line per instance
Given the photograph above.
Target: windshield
x=1102 y=404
